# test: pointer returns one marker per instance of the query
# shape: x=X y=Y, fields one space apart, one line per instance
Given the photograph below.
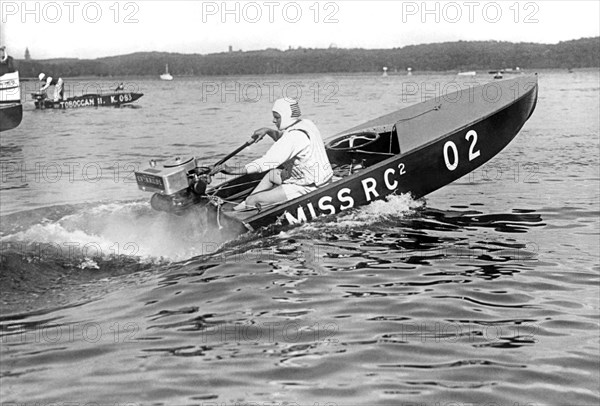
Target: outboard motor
x=38 y=99
x=178 y=185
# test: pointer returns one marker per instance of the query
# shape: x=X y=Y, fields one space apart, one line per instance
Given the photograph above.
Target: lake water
x=485 y=292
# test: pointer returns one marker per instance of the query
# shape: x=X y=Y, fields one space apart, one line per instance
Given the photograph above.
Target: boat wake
x=384 y=212
x=84 y=235
x=69 y=253
x=120 y=238
x=393 y=207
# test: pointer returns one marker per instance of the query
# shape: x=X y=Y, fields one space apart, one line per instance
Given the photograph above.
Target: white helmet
x=289 y=110
x=42 y=76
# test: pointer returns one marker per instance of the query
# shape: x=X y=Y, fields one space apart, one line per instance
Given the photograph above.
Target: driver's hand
x=260 y=134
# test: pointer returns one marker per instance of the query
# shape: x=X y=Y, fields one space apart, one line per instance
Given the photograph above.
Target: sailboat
x=166 y=75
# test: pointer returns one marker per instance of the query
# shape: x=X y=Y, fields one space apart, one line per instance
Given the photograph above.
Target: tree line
x=441 y=57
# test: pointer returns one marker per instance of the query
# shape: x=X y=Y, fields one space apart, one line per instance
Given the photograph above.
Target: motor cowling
x=177 y=185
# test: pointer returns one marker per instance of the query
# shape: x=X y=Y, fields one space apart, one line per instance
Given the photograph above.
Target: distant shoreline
x=438 y=57
x=336 y=74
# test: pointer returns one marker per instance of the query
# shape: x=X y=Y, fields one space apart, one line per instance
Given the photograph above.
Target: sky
x=92 y=29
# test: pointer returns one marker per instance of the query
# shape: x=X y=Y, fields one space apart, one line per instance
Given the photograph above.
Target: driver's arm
x=282 y=151
x=229 y=170
x=47 y=85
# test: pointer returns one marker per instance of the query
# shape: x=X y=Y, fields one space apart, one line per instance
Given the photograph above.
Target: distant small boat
x=506 y=71
x=166 y=75
x=497 y=73
x=11 y=109
x=511 y=71
x=469 y=73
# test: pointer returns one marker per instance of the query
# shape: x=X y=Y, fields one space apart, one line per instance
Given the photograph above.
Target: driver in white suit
x=57 y=83
x=296 y=163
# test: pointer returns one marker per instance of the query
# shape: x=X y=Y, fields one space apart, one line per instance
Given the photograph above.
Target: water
x=485 y=292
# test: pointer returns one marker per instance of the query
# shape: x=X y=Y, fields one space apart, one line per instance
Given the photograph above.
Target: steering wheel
x=353 y=142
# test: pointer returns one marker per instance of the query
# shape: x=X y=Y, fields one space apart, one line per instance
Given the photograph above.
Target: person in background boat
x=296 y=163
x=120 y=87
x=50 y=81
x=6 y=62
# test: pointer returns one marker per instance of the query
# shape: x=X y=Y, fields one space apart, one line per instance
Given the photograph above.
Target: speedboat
x=42 y=101
x=415 y=150
x=11 y=109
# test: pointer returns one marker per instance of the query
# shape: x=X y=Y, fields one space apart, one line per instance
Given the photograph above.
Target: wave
x=385 y=212
x=107 y=240
x=130 y=229
x=69 y=253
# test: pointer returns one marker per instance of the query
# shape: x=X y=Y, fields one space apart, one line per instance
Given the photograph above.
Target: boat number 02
x=452 y=164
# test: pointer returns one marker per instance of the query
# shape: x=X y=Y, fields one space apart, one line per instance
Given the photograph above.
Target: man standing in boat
x=50 y=81
x=6 y=62
x=296 y=164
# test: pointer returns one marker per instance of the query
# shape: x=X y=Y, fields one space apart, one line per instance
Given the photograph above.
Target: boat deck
x=425 y=122
x=226 y=207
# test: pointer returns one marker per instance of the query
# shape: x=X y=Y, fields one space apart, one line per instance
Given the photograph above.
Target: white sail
x=166 y=75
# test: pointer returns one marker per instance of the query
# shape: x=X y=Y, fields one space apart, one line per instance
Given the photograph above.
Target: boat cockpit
x=362 y=149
